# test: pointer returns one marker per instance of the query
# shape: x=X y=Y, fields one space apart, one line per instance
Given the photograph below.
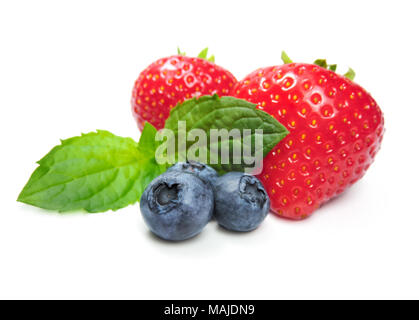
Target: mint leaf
x=98 y=171
x=150 y=169
x=213 y=112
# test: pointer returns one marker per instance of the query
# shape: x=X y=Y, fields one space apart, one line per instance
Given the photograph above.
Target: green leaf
x=350 y=74
x=285 y=58
x=96 y=172
x=147 y=147
x=213 y=112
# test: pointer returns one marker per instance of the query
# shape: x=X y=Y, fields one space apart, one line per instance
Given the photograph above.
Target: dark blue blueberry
x=203 y=171
x=241 y=202
x=177 y=205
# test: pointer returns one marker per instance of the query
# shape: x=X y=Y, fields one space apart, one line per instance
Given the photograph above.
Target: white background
x=68 y=67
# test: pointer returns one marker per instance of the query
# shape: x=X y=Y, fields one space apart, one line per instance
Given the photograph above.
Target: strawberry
x=335 y=126
x=169 y=81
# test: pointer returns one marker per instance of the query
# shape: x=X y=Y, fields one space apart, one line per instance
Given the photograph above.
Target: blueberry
x=177 y=205
x=241 y=202
x=203 y=171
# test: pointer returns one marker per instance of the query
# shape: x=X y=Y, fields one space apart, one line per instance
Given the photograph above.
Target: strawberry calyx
x=323 y=63
x=285 y=58
x=180 y=52
x=350 y=74
x=203 y=55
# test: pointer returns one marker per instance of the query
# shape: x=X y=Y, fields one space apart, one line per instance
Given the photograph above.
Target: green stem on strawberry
x=203 y=55
x=180 y=52
x=350 y=74
x=285 y=58
x=321 y=63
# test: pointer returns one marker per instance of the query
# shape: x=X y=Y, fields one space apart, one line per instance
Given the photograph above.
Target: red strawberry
x=169 y=81
x=336 y=129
